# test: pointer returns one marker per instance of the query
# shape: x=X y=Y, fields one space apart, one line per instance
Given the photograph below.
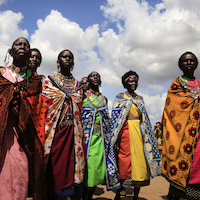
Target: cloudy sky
x=110 y=37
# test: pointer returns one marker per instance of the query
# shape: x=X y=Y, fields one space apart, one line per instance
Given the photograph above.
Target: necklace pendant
x=17 y=69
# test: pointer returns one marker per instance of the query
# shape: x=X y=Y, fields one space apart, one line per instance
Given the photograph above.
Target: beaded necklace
x=193 y=89
x=101 y=100
x=68 y=84
x=18 y=69
x=97 y=93
x=22 y=72
x=131 y=95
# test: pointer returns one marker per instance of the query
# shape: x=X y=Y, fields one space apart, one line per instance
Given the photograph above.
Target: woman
x=99 y=152
x=64 y=144
x=21 y=151
x=181 y=146
x=134 y=140
x=35 y=59
x=84 y=84
x=158 y=133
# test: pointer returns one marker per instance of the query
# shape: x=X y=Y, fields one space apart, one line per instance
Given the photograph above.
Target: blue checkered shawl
x=120 y=110
x=88 y=117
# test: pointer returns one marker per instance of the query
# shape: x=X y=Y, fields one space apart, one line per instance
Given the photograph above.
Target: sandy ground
x=157 y=190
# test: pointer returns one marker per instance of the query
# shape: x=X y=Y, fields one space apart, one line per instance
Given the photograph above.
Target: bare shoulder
x=120 y=95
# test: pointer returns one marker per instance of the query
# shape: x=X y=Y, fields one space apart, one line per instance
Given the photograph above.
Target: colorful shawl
x=181 y=119
x=24 y=104
x=88 y=117
x=120 y=110
x=54 y=99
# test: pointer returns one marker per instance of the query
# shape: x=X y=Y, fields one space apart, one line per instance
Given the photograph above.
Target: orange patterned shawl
x=180 y=132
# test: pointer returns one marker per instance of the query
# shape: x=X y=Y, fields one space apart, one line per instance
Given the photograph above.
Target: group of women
x=57 y=138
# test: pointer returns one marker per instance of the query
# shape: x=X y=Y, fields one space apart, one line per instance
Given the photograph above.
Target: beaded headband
x=131 y=76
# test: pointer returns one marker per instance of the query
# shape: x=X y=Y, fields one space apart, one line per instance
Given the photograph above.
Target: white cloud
x=154 y=106
x=156 y=87
x=104 y=25
x=57 y=33
x=3 y=2
x=150 y=41
x=9 y=31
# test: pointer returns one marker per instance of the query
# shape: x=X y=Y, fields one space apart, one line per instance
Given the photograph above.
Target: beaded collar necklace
x=193 y=89
x=91 y=99
x=131 y=95
x=68 y=84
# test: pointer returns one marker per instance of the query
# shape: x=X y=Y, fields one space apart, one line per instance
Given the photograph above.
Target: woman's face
x=84 y=84
x=94 y=79
x=188 y=63
x=66 y=59
x=20 y=49
x=132 y=83
x=35 y=59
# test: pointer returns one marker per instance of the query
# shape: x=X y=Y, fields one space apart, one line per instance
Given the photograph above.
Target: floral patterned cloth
x=120 y=110
x=54 y=102
x=180 y=132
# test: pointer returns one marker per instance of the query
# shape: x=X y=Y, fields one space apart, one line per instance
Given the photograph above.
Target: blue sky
x=85 y=13
x=111 y=37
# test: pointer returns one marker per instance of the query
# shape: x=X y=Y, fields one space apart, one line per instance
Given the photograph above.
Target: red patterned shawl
x=26 y=129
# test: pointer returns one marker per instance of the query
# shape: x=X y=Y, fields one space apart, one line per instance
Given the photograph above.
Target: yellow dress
x=138 y=168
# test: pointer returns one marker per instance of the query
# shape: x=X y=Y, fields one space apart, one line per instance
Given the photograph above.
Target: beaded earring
x=7 y=57
x=58 y=65
x=71 y=69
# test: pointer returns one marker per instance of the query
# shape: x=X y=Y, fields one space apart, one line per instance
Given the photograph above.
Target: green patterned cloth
x=95 y=161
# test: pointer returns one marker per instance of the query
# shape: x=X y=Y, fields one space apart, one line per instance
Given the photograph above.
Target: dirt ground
x=157 y=190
